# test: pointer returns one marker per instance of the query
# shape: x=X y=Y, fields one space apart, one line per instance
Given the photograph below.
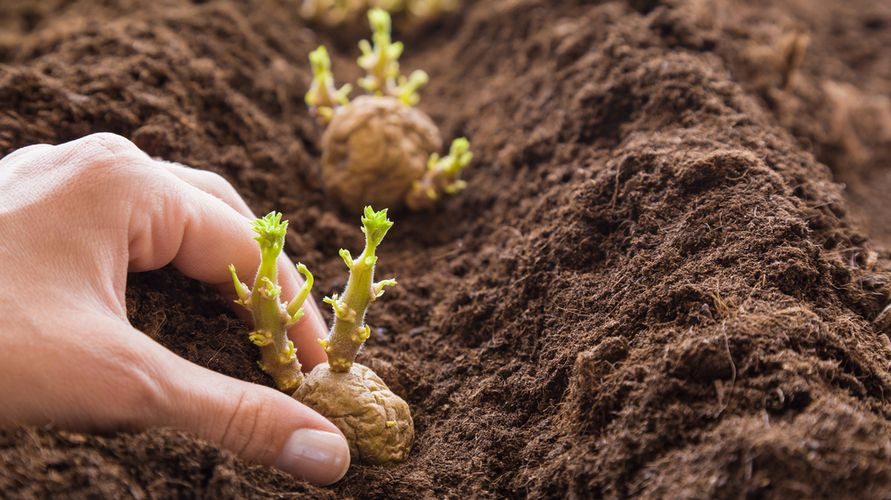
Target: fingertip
x=260 y=424
x=316 y=456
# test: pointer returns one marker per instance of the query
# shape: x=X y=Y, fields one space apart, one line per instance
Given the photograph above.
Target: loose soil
x=657 y=283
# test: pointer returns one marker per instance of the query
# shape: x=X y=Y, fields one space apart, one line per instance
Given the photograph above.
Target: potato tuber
x=374 y=150
x=379 y=149
x=376 y=422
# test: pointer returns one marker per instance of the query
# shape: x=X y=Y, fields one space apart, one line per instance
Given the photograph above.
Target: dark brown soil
x=656 y=284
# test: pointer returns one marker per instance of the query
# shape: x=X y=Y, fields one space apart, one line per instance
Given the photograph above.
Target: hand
x=74 y=219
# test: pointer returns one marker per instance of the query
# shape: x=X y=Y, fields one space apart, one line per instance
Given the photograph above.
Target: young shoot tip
x=320 y=61
x=347 y=257
x=302 y=269
x=380 y=21
x=271 y=231
x=459 y=156
x=409 y=87
x=441 y=176
x=375 y=225
x=241 y=290
x=459 y=146
x=323 y=97
x=295 y=307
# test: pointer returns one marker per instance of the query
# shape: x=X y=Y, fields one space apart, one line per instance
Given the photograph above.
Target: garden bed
x=655 y=283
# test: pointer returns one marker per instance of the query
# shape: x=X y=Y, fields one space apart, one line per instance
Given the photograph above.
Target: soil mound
x=653 y=286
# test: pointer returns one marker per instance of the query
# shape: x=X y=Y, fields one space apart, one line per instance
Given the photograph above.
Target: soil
x=661 y=281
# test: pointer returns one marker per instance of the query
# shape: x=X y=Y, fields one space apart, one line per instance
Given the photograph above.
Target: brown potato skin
x=374 y=149
x=360 y=405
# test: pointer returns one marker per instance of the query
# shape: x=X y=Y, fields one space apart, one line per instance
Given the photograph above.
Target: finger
x=258 y=423
x=172 y=221
x=168 y=220
x=256 y=400
x=201 y=235
x=312 y=327
x=210 y=182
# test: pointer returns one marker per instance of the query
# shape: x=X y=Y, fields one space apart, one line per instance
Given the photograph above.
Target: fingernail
x=316 y=456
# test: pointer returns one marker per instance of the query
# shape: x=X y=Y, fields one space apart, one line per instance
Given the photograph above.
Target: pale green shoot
x=272 y=317
x=380 y=60
x=349 y=331
x=441 y=176
x=323 y=97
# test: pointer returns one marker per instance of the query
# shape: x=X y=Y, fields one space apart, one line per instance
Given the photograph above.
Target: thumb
x=258 y=423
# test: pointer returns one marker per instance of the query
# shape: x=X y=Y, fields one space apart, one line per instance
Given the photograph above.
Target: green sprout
x=441 y=176
x=349 y=331
x=407 y=90
x=380 y=60
x=272 y=317
x=376 y=422
x=323 y=96
x=361 y=164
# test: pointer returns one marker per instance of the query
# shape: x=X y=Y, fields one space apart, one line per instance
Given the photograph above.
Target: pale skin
x=75 y=219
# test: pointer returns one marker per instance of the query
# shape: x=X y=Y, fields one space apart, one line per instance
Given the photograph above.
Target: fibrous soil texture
x=661 y=280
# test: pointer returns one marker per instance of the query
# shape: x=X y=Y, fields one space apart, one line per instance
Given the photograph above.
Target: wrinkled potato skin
x=360 y=405
x=373 y=151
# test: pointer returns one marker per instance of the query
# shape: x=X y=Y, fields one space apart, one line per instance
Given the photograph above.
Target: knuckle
x=108 y=156
x=107 y=163
x=105 y=144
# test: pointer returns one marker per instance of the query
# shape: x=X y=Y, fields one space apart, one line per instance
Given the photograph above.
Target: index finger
x=312 y=326
x=201 y=235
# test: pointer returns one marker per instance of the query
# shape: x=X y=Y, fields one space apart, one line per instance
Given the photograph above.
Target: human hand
x=74 y=219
